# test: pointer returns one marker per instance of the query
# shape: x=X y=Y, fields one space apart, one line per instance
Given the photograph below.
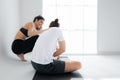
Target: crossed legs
x=71 y=66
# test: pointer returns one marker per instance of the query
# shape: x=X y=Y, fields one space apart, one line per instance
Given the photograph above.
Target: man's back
x=46 y=45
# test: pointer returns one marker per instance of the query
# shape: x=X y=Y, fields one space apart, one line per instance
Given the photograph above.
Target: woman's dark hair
x=38 y=18
x=54 y=23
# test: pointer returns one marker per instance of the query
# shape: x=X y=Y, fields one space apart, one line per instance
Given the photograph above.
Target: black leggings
x=24 y=46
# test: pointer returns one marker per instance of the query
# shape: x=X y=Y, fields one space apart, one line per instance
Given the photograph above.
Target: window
x=78 y=20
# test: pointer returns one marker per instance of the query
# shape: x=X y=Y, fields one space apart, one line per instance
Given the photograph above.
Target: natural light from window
x=78 y=21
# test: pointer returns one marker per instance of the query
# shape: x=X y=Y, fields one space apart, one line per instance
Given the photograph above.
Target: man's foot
x=21 y=56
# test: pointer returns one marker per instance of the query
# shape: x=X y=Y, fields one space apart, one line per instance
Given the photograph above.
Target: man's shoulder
x=55 y=29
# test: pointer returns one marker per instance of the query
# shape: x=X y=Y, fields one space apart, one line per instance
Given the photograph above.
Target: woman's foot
x=21 y=56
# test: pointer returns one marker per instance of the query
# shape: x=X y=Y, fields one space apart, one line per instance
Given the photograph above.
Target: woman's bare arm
x=32 y=31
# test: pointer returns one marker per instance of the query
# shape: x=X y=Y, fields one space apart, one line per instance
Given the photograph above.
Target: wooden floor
x=94 y=67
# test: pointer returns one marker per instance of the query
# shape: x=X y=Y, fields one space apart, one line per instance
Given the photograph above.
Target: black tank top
x=24 y=31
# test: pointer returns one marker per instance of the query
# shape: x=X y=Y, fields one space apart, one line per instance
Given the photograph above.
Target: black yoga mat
x=67 y=76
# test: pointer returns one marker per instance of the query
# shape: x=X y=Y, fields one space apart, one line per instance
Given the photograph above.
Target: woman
x=26 y=37
x=45 y=50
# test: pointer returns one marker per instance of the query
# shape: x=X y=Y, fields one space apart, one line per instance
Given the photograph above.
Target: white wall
x=29 y=9
x=108 y=25
x=9 y=21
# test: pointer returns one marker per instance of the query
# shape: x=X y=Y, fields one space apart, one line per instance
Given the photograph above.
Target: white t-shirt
x=46 y=45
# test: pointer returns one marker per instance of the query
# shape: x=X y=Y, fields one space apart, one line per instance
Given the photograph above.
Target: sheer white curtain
x=78 y=20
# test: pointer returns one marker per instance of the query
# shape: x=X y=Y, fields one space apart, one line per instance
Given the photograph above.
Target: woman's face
x=39 y=23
